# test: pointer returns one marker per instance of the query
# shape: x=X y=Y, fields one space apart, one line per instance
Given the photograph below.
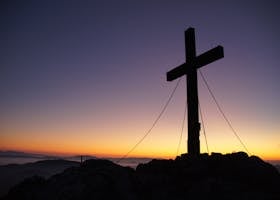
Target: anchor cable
x=182 y=129
x=221 y=111
x=155 y=122
x=203 y=126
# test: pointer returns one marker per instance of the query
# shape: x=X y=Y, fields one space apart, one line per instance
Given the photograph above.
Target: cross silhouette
x=189 y=68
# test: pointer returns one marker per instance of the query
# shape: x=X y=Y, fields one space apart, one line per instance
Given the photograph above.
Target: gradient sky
x=89 y=77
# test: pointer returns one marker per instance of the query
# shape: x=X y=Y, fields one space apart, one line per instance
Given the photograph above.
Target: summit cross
x=189 y=68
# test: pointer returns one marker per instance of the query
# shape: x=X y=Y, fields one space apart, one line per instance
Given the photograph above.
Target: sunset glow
x=90 y=79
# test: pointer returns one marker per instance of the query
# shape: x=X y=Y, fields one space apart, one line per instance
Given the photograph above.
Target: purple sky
x=103 y=63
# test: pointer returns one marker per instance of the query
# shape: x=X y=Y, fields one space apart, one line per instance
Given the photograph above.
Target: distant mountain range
x=17 y=157
x=21 y=154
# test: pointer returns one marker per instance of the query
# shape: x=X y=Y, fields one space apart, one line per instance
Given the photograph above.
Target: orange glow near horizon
x=118 y=154
x=117 y=140
x=164 y=148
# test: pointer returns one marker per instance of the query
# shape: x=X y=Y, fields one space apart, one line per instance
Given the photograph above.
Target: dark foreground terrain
x=231 y=176
x=12 y=174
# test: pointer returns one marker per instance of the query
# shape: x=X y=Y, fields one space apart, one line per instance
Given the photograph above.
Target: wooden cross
x=189 y=68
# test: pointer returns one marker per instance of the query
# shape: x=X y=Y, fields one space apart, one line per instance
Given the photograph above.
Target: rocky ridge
x=230 y=176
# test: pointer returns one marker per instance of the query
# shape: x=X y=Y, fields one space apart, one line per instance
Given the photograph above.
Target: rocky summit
x=230 y=176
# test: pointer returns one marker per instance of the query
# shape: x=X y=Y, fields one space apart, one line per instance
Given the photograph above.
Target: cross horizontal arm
x=200 y=61
x=209 y=56
x=177 y=72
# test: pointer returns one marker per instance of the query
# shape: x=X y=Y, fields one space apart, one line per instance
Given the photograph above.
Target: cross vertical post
x=189 y=68
x=192 y=94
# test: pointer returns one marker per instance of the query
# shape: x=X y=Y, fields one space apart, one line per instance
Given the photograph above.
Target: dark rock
x=231 y=176
x=278 y=168
x=13 y=174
